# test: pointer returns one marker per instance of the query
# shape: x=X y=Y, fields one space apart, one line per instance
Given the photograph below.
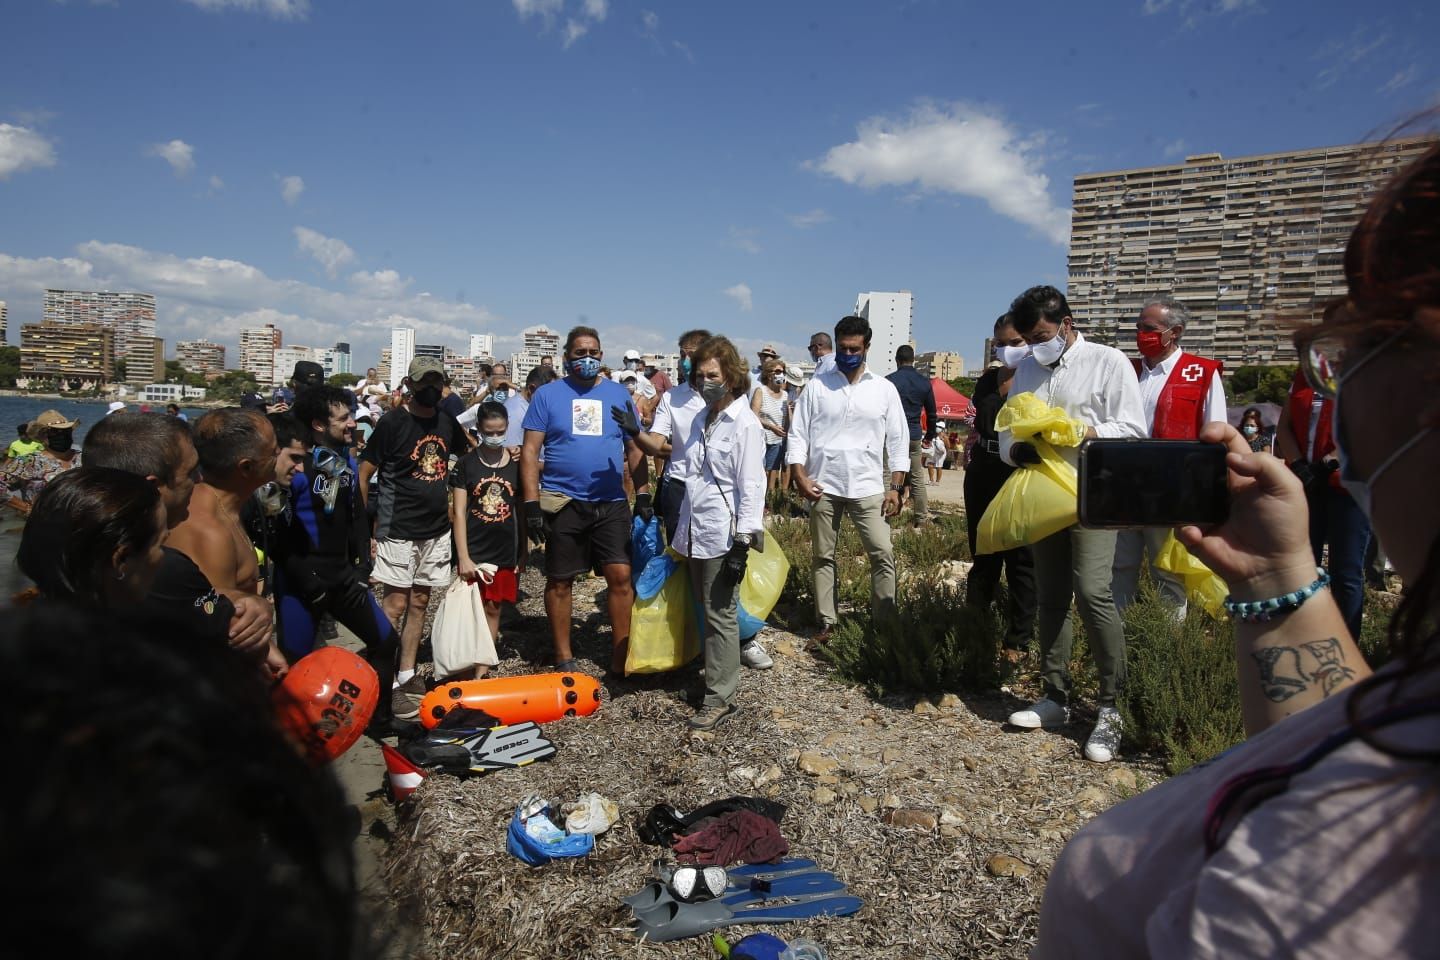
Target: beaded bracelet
x=1260 y=611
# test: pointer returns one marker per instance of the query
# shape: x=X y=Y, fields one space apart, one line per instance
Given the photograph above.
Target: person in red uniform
x=1181 y=393
x=1305 y=440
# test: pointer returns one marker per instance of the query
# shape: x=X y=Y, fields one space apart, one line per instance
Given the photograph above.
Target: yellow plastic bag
x=1202 y=586
x=1038 y=499
x=764 y=579
x=662 y=629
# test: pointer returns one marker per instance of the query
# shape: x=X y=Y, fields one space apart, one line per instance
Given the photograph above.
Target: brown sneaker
x=405 y=699
x=821 y=637
x=708 y=718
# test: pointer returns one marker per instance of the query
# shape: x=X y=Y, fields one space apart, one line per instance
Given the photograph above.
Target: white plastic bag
x=460 y=635
x=592 y=814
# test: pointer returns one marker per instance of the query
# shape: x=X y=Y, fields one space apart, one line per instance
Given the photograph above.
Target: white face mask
x=1011 y=356
x=1051 y=350
x=493 y=441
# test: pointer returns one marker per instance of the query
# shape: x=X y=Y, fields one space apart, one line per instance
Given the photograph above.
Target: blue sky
x=492 y=165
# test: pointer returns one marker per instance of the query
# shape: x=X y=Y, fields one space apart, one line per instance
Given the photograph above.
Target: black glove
x=732 y=566
x=1024 y=453
x=624 y=418
x=355 y=593
x=644 y=507
x=534 y=521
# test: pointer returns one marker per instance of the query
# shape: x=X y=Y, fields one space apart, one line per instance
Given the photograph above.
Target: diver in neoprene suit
x=325 y=549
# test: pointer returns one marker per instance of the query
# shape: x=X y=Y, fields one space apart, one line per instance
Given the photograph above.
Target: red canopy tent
x=949 y=402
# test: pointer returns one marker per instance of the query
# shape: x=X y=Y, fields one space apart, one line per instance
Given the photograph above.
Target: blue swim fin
x=675 y=921
x=800 y=886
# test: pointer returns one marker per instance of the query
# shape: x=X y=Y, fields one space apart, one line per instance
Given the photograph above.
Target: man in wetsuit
x=324 y=551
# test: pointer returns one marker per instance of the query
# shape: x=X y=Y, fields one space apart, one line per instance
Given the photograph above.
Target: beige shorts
x=409 y=563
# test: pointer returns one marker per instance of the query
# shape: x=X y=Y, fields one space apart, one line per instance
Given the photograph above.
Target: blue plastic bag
x=651 y=579
x=644 y=544
x=538 y=852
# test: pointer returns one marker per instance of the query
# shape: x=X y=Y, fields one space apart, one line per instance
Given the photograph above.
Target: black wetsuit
x=324 y=565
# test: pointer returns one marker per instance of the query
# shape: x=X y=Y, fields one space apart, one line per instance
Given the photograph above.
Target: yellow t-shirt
x=23 y=448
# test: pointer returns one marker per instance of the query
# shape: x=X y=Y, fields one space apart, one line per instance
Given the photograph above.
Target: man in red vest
x=1181 y=393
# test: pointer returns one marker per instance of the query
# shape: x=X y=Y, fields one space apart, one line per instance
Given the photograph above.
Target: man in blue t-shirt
x=577 y=506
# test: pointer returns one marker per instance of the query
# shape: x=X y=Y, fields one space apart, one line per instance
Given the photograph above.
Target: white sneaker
x=1042 y=713
x=1104 y=740
x=754 y=656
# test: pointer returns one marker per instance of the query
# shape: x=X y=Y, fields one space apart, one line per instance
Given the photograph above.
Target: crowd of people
x=251 y=526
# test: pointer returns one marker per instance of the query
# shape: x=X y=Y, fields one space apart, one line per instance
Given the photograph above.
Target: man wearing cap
x=115 y=407
x=307 y=374
x=22 y=480
x=646 y=396
x=767 y=352
x=411 y=450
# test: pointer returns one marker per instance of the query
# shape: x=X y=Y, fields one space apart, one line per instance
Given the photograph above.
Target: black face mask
x=59 y=440
x=427 y=396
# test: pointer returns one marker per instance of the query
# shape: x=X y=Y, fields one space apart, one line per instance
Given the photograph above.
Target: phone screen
x=1153 y=483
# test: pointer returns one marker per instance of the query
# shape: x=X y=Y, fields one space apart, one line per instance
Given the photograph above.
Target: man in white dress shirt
x=1095 y=384
x=822 y=353
x=846 y=424
x=1180 y=393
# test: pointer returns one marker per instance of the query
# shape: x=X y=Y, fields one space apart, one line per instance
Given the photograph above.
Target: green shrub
x=937 y=642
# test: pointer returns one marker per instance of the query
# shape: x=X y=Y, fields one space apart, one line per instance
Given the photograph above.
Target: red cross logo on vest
x=1192 y=373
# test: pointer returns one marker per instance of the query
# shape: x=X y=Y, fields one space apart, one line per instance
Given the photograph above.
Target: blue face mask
x=684 y=368
x=848 y=362
x=500 y=396
x=585 y=368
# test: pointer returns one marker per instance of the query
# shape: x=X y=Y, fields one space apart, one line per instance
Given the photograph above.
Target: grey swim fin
x=504 y=747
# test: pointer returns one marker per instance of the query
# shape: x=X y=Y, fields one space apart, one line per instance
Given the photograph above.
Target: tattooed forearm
x=1283 y=672
x=1332 y=672
x=1280 y=674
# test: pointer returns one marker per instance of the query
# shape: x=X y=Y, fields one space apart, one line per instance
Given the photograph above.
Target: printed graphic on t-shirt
x=490 y=500
x=430 y=457
x=207 y=602
x=585 y=418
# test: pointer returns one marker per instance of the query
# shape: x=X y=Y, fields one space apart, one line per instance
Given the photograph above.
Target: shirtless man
x=237 y=452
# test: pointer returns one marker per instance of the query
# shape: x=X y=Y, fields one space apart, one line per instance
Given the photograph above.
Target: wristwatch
x=897 y=488
x=744 y=539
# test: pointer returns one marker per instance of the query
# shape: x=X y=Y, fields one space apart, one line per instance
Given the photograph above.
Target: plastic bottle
x=803 y=949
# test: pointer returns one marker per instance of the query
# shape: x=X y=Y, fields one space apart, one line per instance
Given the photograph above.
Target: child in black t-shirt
x=486 y=515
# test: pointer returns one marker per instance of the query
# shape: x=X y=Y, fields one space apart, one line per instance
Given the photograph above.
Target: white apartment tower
x=891 y=317
x=4 y=322
x=402 y=351
x=200 y=356
x=257 y=352
x=534 y=345
x=482 y=346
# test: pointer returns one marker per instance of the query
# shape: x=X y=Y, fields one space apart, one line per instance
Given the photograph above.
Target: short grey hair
x=1178 y=313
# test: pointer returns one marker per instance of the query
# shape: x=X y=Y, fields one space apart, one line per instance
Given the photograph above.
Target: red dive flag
x=404 y=776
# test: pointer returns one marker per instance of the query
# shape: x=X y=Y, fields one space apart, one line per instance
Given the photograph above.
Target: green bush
x=937 y=642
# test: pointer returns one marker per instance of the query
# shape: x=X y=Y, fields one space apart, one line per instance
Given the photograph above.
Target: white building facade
x=402 y=351
x=892 y=318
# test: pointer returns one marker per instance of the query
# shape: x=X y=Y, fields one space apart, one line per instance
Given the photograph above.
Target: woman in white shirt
x=720 y=516
x=771 y=404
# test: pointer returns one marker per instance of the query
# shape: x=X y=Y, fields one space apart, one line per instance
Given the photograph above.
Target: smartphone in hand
x=1153 y=483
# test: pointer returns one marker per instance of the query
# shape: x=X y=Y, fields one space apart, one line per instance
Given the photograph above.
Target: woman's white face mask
x=1011 y=356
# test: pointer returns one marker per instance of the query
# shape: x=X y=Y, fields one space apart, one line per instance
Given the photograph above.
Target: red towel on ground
x=740 y=836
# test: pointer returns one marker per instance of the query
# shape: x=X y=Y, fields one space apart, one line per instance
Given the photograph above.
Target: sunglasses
x=1326 y=359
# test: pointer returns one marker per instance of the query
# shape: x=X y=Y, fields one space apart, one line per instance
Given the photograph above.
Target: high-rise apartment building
x=535 y=344
x=76 y=353
x=941 y=365
x=402 y=351
x=145 y=363
x=342 y=358
x=200 y=356
x=257 y=352
x=1246 y=244
x=130 y=315
x=4 y=323
x=382 y=369
x=482 y=346
x=891 y=317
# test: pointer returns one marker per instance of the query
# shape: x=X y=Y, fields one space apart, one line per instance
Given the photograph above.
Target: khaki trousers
x=919 y=482
x=1078 y=563
x=1132 y=548
x=722 y=630
x=869 y=519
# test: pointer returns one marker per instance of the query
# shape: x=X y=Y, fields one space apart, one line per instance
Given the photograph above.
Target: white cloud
x=277 y=9
x=1194 y=10
x=215 y=297
x=380 y=285
x=216 y=184
x=574 y=30
x=23 y=149
x=1173 y=149
x=596 y=10
x=291 y=188
x=810 y=218
x=179 y=154
x=1401 y=79
x=745 y=238
x=957 y=149
x=546 y=10
x=329 y=252
x=741 y=294
x=649 y=24
x=1342 y=56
